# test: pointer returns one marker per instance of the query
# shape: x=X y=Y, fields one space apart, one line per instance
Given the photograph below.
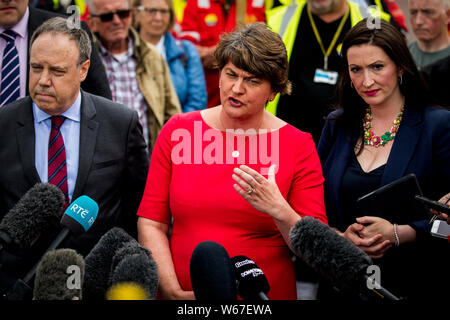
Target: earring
x=400 y=79
x=351 y=84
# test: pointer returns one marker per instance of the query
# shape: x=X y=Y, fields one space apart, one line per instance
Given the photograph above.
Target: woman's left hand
x=263 y=194
x=376 y=225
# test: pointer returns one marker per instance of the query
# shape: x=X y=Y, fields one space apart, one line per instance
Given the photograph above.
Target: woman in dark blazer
x=384 y=129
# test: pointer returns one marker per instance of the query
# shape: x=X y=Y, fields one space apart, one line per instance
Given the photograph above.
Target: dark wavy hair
x=257 y=50
x=393 y=43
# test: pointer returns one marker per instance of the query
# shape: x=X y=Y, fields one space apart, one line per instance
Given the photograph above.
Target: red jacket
x=204 y=20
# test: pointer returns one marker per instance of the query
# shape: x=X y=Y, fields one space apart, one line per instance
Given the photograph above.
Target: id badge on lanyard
x=324 y=75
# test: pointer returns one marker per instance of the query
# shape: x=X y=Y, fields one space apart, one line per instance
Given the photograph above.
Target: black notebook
x=395 y=201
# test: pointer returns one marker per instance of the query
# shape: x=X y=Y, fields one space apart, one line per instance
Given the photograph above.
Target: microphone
x=134 y=264
x=77 y=218
x=127 y=291
x=212 y=274
x=59 y=276
x=24 y=230
x=34 y=214
x=252 y=284
x=334 y=257
x=99 y=263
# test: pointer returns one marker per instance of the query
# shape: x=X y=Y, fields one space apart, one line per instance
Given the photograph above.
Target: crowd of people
x=230 y=121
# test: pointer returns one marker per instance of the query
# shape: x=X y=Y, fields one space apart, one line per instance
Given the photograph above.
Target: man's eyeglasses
x=153 y=11
x=106 y=17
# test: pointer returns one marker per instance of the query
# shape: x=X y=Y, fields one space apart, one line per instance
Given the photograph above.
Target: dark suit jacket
x=436 y=74
x=96 y=81
x=422 y=147
x=113 y=162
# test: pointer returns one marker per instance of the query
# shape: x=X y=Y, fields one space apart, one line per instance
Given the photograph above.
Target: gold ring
x=249 y=192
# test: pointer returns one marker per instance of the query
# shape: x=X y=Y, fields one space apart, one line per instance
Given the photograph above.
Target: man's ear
x=84 y=68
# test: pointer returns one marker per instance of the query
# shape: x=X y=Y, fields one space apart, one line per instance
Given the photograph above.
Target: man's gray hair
x=93 y=7
x=60 y=25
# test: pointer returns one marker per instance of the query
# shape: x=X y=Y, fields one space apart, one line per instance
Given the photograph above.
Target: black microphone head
x=128 y=249
x=138 y=268
x=331 y=255
x=36 y=213
x=59 y=276
x=99 y=260
x=250 y=278
x=212 y=274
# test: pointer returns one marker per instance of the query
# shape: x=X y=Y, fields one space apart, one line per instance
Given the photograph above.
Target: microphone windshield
x=127 y=291
x=250 y=278
x=331 y=255
x=212 y=274
x=99 y=262
x=36 y=213
x=59 y=276
x=80 y=215
x=138 y=268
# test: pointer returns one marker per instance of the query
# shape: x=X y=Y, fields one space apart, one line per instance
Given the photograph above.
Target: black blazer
x=436 y=74
x=113 y=162
x=96 y=81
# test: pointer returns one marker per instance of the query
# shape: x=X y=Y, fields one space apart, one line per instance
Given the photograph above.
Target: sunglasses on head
x=106 y=17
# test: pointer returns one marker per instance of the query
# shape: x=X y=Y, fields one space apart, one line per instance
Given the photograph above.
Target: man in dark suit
x=17 y=16
x=102 y=153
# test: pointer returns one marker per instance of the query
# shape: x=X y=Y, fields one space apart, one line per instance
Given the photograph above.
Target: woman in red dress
x=194 y=180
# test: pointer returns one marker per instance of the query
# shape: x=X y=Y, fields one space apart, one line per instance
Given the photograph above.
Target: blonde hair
x=137 y=3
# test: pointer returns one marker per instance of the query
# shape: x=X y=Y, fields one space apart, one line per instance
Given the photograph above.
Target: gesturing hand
x=263 y=194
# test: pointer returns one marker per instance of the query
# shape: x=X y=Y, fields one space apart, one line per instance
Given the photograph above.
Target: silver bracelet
x=397 y=239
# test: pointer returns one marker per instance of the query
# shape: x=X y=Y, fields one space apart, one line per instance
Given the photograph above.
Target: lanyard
x=333 y=42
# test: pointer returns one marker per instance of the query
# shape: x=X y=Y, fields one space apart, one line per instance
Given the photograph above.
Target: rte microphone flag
x=77 y=218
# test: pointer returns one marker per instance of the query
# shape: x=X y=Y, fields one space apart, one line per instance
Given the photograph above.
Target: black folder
x=395 y=201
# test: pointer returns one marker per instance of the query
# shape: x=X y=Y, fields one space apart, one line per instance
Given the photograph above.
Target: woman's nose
x=238 y=86
x=368 y=81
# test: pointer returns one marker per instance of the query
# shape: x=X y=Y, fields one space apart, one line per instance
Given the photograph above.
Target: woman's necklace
x=235 y=153
x=370 y=138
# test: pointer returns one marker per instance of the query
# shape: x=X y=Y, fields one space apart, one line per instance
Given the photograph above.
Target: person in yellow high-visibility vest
x=312 y=31
x=178 y=7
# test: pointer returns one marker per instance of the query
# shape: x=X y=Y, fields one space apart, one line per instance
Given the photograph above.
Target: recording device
x=212 y=273
x=36 y=213
x=252 y=284
x=99 y=263
x=134 y=264
x=59 y=276
x=334 y=257
x=78 y=217
x=441 y=229
x=440 y=207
